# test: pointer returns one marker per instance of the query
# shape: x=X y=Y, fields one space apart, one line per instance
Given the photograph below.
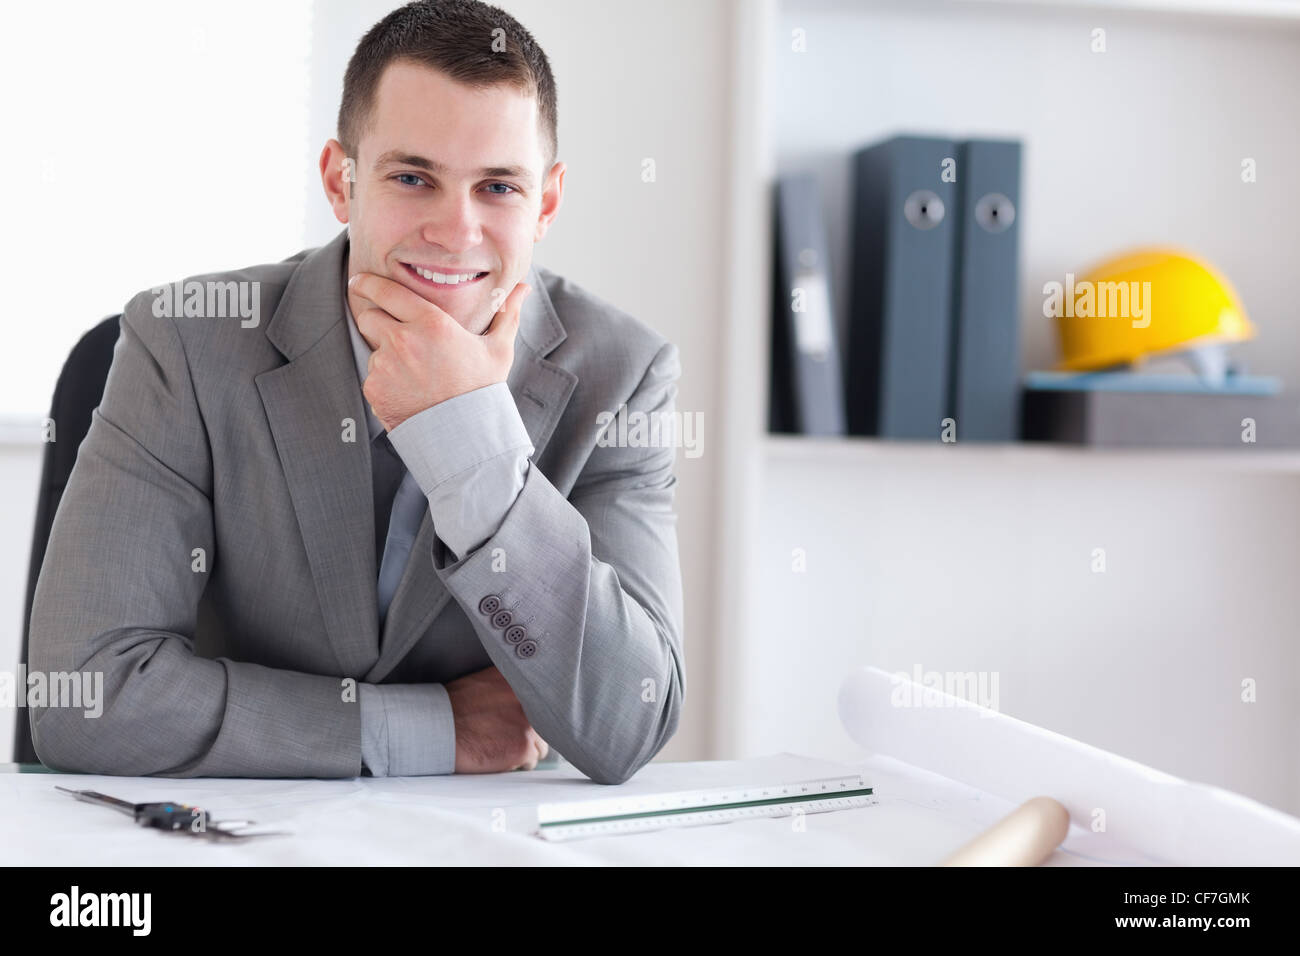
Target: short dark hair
x=461 y=39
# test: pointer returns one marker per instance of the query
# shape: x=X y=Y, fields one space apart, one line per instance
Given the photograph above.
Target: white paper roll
x=1163 y=816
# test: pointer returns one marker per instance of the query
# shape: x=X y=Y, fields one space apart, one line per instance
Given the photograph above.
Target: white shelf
x=1245 y=11
x=854 y=449
x=1280 y=10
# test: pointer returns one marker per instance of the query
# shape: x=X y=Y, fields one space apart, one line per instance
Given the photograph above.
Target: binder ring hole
x=923 y=209
x=995 y=212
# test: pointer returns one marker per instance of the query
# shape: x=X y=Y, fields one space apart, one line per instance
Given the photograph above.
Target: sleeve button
x=526 y=649
x=502 y=619
x=516 y=633
x=490 y=605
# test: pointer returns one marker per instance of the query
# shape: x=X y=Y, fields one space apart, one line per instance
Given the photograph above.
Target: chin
x=458 y=318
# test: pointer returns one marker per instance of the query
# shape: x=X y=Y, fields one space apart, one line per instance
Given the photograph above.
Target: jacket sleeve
x=578 y=600
x=118 y=594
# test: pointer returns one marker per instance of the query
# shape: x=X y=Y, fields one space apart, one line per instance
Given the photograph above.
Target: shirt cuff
x=469 y=455
x=407 y=730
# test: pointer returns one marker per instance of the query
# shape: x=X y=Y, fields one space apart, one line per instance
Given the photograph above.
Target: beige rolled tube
x=1025 y=837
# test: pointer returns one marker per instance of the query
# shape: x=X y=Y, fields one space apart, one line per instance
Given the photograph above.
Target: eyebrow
x=395 y=157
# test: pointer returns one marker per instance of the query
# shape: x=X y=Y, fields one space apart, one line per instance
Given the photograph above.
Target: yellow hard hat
x=1142 y=303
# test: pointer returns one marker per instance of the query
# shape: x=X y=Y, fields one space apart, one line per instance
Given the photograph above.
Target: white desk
x=989 y=762
x=919 y=820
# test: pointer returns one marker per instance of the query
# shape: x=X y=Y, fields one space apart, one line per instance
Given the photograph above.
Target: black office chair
x=77 y=394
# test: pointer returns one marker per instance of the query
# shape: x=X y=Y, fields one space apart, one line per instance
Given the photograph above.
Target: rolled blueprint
x=1027 y=837
x=1165 y=817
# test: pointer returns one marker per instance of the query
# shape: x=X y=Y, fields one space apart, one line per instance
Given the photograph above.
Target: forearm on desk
x=407 y=730
x=585 y=623
x=590 y=630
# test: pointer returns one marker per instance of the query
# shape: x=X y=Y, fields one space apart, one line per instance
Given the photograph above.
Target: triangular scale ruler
x=684 y=808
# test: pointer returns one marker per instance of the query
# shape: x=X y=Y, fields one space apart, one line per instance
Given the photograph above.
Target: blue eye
x=411 y=179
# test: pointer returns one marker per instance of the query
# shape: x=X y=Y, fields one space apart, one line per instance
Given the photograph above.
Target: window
x=143 y=143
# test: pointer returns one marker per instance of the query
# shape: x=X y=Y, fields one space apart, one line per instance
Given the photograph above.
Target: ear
x=338 y=174
x=552 y=196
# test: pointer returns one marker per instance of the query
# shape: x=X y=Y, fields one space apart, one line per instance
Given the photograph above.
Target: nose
x=453 y=223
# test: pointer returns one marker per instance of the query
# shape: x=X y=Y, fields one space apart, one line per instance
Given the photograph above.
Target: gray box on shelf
x=1160 y=420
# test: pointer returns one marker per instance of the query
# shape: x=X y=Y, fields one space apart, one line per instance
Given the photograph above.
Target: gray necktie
x=387 y=470
x=398 y=516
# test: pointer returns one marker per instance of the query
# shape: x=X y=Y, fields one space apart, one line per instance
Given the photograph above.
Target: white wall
x=968 y=559
x=141 y=150
x=20 y=463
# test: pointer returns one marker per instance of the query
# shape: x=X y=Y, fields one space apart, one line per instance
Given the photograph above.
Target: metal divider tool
x=175 y=817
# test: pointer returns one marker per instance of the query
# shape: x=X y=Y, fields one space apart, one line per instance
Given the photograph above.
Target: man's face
x=449 y=180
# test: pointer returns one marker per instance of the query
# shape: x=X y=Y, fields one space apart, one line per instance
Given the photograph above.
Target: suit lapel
x=541 y=390
x=307 y=401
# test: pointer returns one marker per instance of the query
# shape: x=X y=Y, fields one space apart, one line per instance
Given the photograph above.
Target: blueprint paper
x=1167 y=818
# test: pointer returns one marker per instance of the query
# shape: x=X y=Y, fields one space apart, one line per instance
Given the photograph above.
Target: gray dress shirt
x=468 y=456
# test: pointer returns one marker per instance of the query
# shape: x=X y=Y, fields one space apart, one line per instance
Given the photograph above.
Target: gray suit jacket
x=216 y=436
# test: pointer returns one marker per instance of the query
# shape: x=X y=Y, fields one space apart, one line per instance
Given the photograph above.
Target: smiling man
x=384 y=531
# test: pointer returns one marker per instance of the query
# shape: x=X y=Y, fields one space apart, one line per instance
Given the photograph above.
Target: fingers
x=374 y=324
x=529 y=764
x=403 y=304
x=534 y=750
x=506 y=322
x=539 y=745
x=537 y=751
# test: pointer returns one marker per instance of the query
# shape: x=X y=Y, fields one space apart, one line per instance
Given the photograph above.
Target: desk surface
x=920 y=818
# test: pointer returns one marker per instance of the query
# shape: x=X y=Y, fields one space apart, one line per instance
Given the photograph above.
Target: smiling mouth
x=442 y=280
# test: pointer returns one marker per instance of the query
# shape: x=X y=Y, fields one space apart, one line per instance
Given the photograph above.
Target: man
x=388 y=530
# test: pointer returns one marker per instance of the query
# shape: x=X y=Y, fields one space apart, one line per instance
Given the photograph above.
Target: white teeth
x=444 y=279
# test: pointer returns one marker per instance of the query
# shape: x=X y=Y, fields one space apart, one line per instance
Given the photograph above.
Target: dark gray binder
x=985 y=355
x=807 y=382
x=901 y=315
